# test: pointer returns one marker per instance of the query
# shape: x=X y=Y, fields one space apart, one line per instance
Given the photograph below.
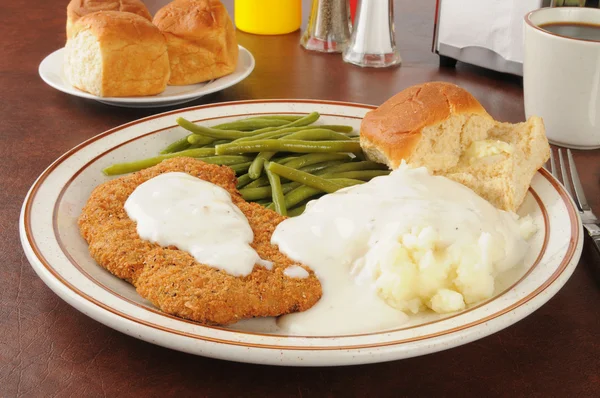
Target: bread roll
x=201 y=40
x=444 y=128
x=117 y=54
x=79 y=8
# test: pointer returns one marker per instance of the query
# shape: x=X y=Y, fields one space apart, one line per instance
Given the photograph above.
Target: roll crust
x=80 y=8
x=394 y=129
x=201 y=40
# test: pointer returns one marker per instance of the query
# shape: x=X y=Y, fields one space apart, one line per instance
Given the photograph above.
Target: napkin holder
x=486 y=33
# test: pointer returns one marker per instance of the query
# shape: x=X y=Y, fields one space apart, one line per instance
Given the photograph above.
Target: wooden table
x=48 y=348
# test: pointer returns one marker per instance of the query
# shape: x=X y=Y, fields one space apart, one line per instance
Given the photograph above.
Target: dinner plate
x=51 y=71
x=51 y=240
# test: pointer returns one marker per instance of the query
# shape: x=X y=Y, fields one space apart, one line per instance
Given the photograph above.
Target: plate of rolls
x=117 y=53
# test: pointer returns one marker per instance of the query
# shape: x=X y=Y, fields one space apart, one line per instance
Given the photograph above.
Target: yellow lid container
x=268 y=17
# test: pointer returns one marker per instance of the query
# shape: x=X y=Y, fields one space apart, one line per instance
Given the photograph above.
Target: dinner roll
x=201 y=40
x=79 y=8
x=444 y=128
x=117 y=54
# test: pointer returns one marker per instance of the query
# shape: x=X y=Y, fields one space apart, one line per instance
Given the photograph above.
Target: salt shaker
x=328 y=27
x=373 y=42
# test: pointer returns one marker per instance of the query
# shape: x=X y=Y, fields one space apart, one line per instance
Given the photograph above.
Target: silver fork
x=569 y=176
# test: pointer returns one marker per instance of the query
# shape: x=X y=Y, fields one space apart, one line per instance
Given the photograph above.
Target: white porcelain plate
x=58 y=254
x=51 y=71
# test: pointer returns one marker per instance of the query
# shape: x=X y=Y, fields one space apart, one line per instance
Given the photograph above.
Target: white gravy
x=195 y=216
x=337 y=231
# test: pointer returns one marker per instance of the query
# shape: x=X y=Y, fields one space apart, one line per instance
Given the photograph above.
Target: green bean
x=254 y=194
x=217 y=142
x=313 y=158
x=259 y=182
x=347 y=182
x=251 y=124
x=304 y=192
x=227 y=160
x=289 y=118
x=211 y=132
x=316 y=135
x=258 y=133
x=323 y=166
x=288 y=186
x=335 y=127
x=197 y=139
x=292 y=126
x=304 y=178
x=276 y=192
x=282 y=159
x=305 y=121
x=365 y=175
x=296 y=211
x=263 y=118
x=129 y=167
x=354 y=166
x=280 y=132
x=299 y=123
x=272 y=134
x=313 y=134
x=256 y=168
x=176 y=146
x=284 y=133
x=288 y=146
x=240 y=167
x=258 y=193
x=300 y=194
x=303 y=195
x=264 y=202
x=243 y=180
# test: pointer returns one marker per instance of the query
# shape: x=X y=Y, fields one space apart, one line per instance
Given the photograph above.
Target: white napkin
x=493 y=24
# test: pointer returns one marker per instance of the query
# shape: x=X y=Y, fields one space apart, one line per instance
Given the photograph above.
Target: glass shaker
x=373 y=41
x=328 y=27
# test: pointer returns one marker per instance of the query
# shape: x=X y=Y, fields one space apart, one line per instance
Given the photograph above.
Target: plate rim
x=571 y=253
x=150 y=99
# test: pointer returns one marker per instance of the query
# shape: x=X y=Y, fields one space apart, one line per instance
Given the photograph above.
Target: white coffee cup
x=561 y=78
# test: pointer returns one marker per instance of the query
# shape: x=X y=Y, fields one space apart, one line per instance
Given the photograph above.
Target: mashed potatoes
x=399 y=244
x=418 y=270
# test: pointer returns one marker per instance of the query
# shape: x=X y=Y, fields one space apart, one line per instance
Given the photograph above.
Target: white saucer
x=51 y=71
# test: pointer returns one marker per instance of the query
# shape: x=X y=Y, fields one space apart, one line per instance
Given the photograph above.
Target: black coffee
x=574 y=30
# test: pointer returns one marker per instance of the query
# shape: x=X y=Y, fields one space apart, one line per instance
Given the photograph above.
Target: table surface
x=47 y=348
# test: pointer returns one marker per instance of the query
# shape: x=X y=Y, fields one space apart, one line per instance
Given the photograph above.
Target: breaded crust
x=170 y=278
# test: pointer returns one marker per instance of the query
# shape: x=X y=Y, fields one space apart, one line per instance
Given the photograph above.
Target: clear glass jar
x=329 y=26
x=373 y=42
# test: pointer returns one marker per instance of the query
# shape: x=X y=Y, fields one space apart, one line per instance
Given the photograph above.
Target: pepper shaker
x=373 y=42
x=328 y=27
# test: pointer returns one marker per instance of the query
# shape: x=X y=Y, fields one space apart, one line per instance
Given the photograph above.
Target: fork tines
x=569 y=177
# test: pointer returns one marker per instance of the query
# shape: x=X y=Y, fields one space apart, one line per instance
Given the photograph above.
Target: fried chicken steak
x=172 y=279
